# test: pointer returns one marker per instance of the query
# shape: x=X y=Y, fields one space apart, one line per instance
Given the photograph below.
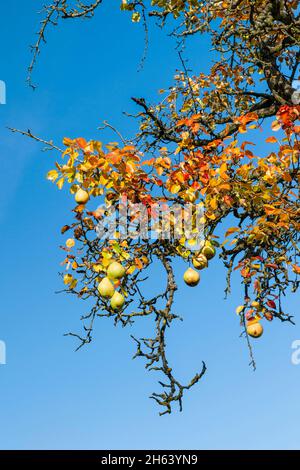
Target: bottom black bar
x=138 y=458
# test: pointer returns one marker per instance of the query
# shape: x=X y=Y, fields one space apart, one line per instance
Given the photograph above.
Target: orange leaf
x=81 y=142
x=138 y=263
x=270 y=209
x=271 y=140
x=296 y=269
x=232 y=230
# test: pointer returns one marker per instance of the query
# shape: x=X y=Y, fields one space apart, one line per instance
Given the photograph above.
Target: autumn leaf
x=60 y=183
x=52 y=175
x=138 y=263
x=271 y=140
x=232 y=230
x=64 y=229
x=269 y=209
x=68 y=278
x=214 y=203
x=271 y=304
x=296 y=268
x=81 y=142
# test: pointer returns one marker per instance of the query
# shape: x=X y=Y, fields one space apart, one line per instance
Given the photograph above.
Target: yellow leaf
x=213 y=203
x=175 y=188
x=223 y=169
x=239 y=309
x=52 y=175
x=255 y=266
x=68 y=278
x=136 y=17
x=210 y=216
x=97 y=268
x=130 y=270
x=73 y=284
x=60 y=183
x=106 y=259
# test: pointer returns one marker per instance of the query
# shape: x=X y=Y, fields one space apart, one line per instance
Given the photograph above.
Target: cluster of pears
x=200 y=261
x=106 y=288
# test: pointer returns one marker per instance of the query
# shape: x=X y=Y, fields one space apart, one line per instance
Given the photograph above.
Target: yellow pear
x=105 y=288
x=191 y=277
x=117 y=301
x=115 y=270
x=208 y=250
x=200 y=261
x=255 y=330
x=81 y=196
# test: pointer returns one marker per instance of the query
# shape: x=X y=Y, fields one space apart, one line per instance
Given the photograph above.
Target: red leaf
x=271 y=304
x=195 y=185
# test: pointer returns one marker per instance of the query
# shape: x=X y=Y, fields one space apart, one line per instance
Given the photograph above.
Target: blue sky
x=50 y=396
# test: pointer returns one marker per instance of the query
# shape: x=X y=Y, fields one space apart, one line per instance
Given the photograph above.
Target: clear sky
x=97 y=398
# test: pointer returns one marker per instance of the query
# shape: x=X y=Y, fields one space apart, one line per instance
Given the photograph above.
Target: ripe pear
x=105 y=288
x=191 y=277
x=255 y=330
x=208 y=250
x=117 y=301
x=115 y=270
x=200 y=261
x=81 y=196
